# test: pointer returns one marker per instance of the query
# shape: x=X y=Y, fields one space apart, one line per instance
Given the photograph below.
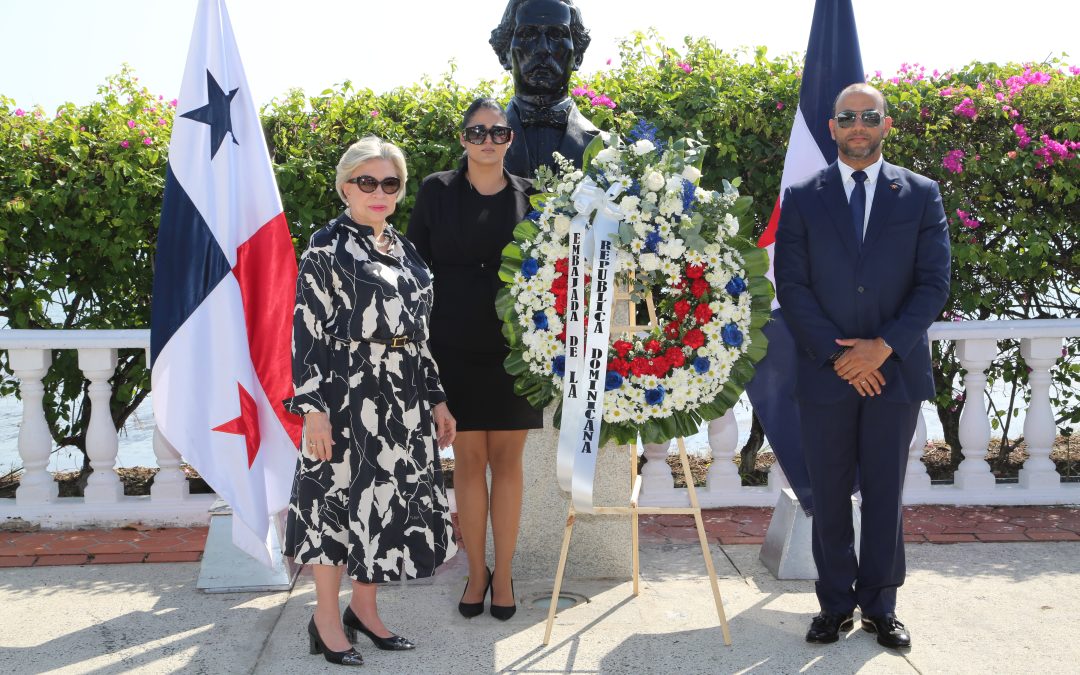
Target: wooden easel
x=633 y=510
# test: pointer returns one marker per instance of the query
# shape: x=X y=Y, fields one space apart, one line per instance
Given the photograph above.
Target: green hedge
x=79 y=209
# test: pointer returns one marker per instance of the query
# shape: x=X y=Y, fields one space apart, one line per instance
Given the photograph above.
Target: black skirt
x=480 y=393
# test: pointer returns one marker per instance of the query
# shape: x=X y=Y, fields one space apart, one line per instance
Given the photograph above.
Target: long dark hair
x=482 y=103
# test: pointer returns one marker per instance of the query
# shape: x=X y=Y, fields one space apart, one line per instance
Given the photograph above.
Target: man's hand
x=862 y=357
x=445 y=425
x=870 y=385
x=317 y=435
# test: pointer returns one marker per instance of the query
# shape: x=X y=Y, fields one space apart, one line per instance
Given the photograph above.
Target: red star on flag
x=246 y=425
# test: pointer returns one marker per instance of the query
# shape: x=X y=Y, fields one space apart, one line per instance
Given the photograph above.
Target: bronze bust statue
x=542 y=42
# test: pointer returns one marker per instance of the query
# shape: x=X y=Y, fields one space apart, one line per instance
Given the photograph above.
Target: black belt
x=394 y=342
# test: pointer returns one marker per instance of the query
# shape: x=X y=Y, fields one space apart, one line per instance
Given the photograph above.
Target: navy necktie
x=858 y=205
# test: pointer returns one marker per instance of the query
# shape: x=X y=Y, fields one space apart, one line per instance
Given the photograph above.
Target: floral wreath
x=685 y=247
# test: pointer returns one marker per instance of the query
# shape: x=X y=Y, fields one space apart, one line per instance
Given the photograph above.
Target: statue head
x=542 y=42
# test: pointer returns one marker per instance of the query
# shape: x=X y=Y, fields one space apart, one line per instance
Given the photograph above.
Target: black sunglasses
x=477 y=134
x=845 y=119
x=368 y=184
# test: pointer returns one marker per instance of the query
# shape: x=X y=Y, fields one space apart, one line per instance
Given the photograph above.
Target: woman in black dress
x=368 y=496
x=460 y=224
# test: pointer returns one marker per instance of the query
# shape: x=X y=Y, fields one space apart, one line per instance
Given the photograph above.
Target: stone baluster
x=657 y=480
x=1040 y=430
x=917 y=479
x=974 y=472
x=777 y=479
x=170 y=483
x=101 y=441
x=723 y=476
x=36 y=486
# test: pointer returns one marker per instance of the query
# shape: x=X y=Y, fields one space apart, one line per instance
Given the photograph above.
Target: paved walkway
x=922 y=524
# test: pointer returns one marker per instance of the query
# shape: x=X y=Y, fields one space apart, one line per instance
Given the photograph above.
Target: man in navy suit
x=862 y=270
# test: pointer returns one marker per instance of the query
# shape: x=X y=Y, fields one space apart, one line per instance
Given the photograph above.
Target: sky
x=52 y=51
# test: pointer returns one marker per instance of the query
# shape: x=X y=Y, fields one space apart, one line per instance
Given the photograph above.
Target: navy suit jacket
x=893 y=286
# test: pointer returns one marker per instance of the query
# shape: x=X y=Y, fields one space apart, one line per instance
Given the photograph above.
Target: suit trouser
x=871 y=436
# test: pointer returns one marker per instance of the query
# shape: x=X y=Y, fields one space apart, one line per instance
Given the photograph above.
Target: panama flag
x=224 y=284
x=833 y=61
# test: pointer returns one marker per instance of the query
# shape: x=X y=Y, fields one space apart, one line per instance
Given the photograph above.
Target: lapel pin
x=894 y=186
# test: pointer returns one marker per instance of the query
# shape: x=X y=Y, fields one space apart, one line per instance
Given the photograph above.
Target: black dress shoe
x=471 y=609
x=349 y=657
x=394 y=643
x=826 y=627
x=890 y=631
x=503 y=612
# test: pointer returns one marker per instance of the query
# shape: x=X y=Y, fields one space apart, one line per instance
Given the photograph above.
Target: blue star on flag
x=216 y=113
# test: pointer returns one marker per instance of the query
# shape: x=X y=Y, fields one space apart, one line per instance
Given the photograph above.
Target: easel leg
x=559 y=574
x=692 y=493
x=634 y=516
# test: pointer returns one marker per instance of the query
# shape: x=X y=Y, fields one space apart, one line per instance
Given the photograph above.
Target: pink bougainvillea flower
x=947 y=91
x=131 y=124
x=779 y=105
x=578 y=91
x=124 y=144
x=952 y=161
x=686 y=67
x=374 y=113
x=966 y=220
x=148 y=141
x=173 y=103
x=966 y=108
x=19 y=112
x=609 y=62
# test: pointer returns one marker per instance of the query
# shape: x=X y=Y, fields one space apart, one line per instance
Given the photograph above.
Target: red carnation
x=640 y=366
x=671 y=331
x=558 y=286
x=652 y=346
x=622 y=348
x=699 y=287
x=694 y=338
x=562 y=265
x=675 y=356
x=560 y=304
x=619 y=366
x=703 y=313
x=682 y=308
x=561 y=337
x=660 y=366
x=695 y=270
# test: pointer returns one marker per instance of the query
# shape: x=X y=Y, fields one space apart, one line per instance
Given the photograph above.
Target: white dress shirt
x=872 y=173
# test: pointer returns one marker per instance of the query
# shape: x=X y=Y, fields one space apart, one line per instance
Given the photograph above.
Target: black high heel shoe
x=349 y=657
x=471 y=609
x=394 y=643
x=502 y=612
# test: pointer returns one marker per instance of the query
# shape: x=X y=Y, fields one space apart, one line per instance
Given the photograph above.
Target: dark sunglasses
x=845 y=119
x=476 y=134
x=368 y=184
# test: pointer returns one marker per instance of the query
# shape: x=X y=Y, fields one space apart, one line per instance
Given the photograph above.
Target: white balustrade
x=723 y=474
x=974 y=471
x=1040 y=431
x=36 y=486
x=30 y=356
x=101 y=441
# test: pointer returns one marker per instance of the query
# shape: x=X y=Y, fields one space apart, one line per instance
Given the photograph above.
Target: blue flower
x=701 y=365
x=635 y=189
x=533 y=216
x=655 y=396
x=646 y=131
x=614 y=380
x=652 y=240
x=529 y=266
x=558 y=365
x=688 y=191
x=736 y=286
x=540 y=320
x=732 y=335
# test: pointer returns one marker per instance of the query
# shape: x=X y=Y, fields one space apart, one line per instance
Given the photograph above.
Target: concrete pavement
x=971 y=608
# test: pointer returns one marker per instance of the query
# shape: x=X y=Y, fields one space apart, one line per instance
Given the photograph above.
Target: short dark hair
x=862 y=88
x=504 y=33
x=482 y=103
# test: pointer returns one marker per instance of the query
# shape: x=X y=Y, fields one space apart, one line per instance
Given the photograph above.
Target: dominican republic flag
x=833 y=62
x=224 y=284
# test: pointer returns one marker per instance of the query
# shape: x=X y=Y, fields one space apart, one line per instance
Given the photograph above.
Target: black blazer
x=465 y=266
x=579 y=133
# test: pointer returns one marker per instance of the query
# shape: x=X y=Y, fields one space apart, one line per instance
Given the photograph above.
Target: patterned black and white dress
x=378 y=505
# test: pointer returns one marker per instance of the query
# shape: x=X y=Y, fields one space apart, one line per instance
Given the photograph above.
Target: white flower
x=643 y=147
x=649 y=262
x=561 y=226
x=637 y=245
x=629 y=204
x=653 y=181
x=691 y=173
x=731 y=225
x=674 y=184
x=607 y=156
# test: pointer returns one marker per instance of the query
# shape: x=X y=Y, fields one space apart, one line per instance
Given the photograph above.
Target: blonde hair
x=366 y=149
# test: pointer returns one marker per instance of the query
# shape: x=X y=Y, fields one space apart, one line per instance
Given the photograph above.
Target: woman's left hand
x=445 y=425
